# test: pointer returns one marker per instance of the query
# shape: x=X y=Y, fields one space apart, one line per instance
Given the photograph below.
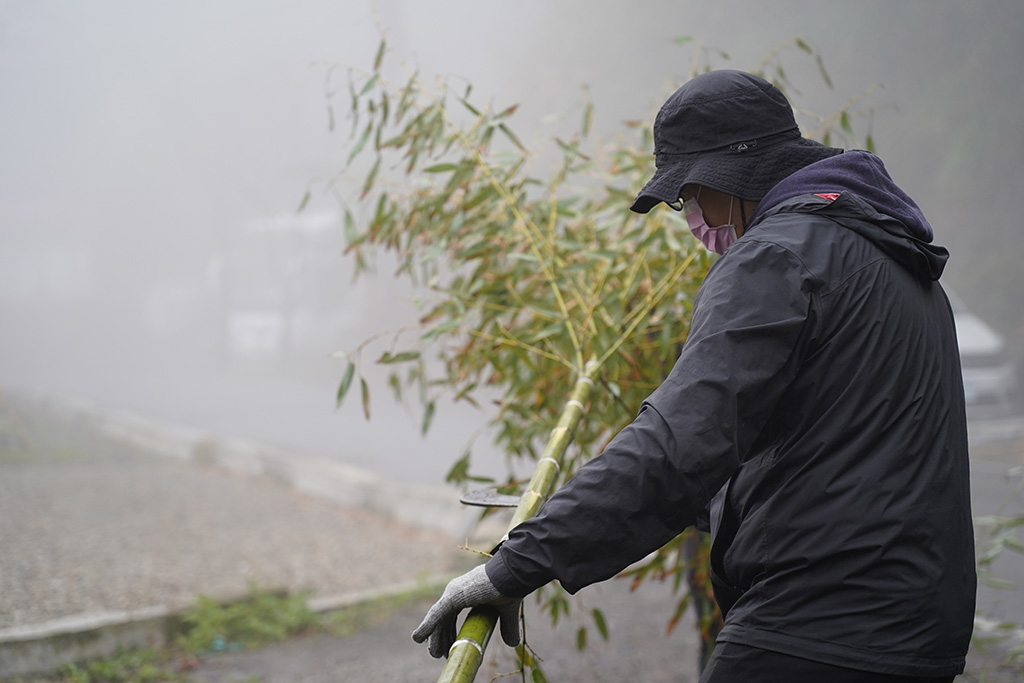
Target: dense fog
x=153 y=156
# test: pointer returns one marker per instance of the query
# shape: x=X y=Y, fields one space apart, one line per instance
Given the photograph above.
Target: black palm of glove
x=469 y=590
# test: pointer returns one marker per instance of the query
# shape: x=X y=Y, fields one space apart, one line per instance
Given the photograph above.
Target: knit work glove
x=469 y=590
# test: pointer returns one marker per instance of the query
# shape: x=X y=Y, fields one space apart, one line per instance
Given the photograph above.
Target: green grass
x=259 y=620
x=208 y=626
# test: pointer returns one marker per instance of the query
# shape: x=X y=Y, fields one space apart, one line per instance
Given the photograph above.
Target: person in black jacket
x=815 y=416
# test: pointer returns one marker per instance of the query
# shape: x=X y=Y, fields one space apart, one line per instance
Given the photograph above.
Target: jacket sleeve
x=657 y=475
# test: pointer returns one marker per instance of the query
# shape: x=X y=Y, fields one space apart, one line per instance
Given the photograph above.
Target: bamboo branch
x=467 y=654
x=650 y=302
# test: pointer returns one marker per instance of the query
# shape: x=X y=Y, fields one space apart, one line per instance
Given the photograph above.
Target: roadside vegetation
x=210 y=628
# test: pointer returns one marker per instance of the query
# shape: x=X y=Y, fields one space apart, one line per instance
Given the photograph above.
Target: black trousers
x=731 y=663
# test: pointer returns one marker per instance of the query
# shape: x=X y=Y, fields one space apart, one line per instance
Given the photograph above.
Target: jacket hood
x=855 y=190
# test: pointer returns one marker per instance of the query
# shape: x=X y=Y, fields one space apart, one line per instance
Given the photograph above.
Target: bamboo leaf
x=1013 y=522
x=366 y=397
x=824 y=74
x=1014 y=545
x=346 y=382
x=351 y=236
x=396 y=386
x=380 y=55
x=447 y=327
x=844 y=122
x=355 y=107
x=588 y=116
x=440 y=168
x=581 y=639
x=369 y=84
x=304 y=202
x=1001 y=584
x=406 y=99
x=988 y=520
x=428 y=417
x=403 y=357
x=536 y=675
x=599 y=620
x=511 y=136
x=360 y=144
x=506 y=112
x=459 y=471
x=370 y=178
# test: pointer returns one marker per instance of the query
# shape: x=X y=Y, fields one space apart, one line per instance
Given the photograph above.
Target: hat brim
x=746 y=175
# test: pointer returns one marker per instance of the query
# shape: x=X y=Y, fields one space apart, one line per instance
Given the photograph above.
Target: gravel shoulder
x=89 y=524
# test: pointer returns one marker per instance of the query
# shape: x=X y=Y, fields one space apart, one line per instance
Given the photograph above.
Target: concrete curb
x=42 y=649
x=429 y=507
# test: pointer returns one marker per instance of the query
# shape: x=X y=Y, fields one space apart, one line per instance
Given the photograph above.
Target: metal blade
x=489 y=498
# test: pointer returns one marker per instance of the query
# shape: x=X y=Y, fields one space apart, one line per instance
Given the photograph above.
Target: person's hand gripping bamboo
x=469 y=590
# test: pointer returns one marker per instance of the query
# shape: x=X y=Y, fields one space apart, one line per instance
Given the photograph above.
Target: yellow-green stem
x=467 y=654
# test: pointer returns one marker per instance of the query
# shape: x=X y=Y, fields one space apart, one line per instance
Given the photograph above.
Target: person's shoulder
x=774 y=239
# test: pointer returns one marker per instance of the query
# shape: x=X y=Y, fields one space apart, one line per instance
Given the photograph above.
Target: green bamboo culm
x=467 y=654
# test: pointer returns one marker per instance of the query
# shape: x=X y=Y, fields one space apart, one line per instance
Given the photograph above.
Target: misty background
x=153 y=156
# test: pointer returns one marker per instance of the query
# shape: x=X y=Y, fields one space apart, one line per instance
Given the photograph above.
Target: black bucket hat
x=728 y=130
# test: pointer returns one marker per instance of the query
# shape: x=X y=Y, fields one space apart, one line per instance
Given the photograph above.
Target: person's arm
x=658 y=474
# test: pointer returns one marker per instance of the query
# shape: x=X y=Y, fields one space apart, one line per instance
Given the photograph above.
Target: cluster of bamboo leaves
x=529 y=274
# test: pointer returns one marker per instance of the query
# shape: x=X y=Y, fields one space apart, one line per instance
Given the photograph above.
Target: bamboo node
x=576 y=403
x=554 y=462
x=462 y=641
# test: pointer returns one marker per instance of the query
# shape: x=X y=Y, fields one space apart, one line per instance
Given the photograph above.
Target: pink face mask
x=715 y=239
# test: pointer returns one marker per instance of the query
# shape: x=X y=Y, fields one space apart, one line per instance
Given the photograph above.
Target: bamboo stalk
x=467 y=654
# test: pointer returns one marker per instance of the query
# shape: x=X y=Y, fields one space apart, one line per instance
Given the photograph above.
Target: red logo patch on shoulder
x=830 y=196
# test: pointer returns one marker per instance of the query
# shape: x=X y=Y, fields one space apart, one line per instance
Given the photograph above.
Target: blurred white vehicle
x=990 y=379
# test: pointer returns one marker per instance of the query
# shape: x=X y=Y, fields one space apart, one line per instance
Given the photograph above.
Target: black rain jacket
x=816 y=414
